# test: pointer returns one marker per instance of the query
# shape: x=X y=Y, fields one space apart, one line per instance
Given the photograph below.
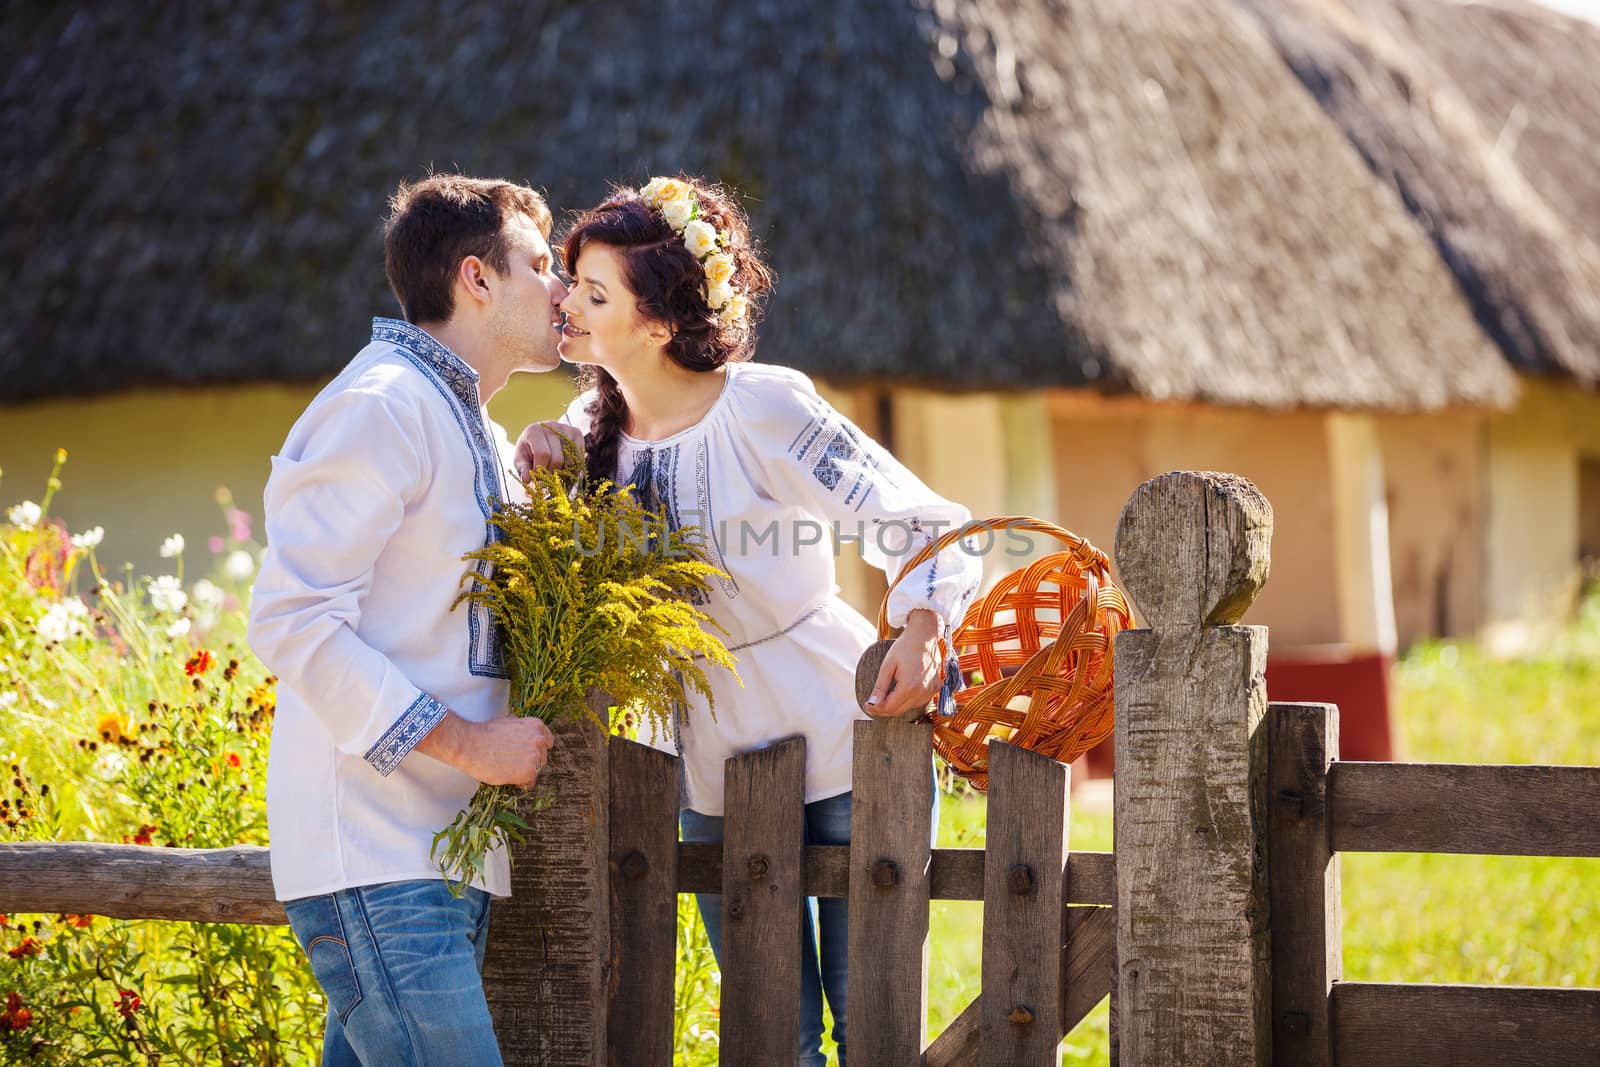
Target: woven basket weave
x=1037 y=651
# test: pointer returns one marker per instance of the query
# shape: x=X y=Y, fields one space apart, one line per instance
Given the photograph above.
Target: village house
x=1043 y=250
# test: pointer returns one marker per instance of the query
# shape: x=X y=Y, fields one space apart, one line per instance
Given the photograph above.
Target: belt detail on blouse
x=774 y=636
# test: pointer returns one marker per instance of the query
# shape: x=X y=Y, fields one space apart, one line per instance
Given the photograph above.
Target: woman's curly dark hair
x=669 y=284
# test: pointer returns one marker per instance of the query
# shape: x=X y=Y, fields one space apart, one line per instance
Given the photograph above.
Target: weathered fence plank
x=891 y=830
x=1025 y=865
x=1088 y=972
x=550 y=943
x=1303 y=873
x=956 y=873
x=209 y=885
x=644 y=903
x=1445 y=807
x=1194 y=983
x=1380 y=1025
x=763 y=836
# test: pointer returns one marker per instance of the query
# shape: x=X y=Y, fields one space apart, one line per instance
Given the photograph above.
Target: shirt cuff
x=402 y=736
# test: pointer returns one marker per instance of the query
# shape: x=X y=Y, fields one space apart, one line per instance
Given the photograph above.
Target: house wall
x=1106 y=448
x=1535 y=453
x=1434 y=467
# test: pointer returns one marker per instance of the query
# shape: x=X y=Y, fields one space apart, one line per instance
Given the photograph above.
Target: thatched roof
x=1485 y=117
x=1130 y=195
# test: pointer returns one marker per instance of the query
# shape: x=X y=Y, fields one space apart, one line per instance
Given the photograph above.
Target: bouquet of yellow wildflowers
x=590 y=590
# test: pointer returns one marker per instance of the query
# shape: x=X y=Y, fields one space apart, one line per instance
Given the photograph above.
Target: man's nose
x=561 y=292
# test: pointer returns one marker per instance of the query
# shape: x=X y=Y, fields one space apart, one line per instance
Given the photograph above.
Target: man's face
x=525 y=321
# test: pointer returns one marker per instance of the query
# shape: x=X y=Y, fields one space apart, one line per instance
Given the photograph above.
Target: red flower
x=233 y=759
x=28 y=946
x=200 y=662
x=5 y=921
x=143 y=836
x=128 y=1002
x=80 y=921
x=15 y=1017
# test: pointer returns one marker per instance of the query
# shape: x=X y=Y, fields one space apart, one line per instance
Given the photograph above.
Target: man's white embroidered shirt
x=383 y=485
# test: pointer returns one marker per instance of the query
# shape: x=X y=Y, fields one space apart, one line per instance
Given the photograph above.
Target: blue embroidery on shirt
x=458 y=382
x=402 y=736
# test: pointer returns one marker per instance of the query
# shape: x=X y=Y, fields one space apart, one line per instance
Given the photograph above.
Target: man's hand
x=503 y=751
x=539 y=447
x=912 y=669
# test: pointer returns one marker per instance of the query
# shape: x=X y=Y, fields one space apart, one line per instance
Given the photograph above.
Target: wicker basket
x=1037 y=653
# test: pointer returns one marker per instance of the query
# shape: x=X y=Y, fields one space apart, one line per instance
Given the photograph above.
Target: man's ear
x=472 y=277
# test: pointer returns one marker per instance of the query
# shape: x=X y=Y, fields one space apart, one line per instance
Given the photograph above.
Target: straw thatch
x=1134 y=196
x=1485 y=117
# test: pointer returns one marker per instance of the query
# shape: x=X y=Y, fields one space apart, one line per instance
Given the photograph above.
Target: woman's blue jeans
x=400 y=965
x=827 y=822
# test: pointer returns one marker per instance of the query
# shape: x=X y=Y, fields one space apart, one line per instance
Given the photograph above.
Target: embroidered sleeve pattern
x=400 y=738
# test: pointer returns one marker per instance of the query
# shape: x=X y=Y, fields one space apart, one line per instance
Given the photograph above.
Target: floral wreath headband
x=677 y=203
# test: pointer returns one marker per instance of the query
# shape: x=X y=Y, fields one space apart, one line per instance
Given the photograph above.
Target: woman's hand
x=913 y=670
x=539 y=447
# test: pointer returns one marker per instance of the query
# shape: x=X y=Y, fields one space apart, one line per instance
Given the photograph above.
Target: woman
x=666 y=290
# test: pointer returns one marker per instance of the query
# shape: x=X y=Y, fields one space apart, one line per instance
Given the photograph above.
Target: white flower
x=172 y=546
x=239 y=565
x=700 y=237
x=678 y=212
x=734 y=310
x=207 y=595
x=89 y=538
x=719 y=269
x=179 y=628
x=25 y=516
x=167 y=595
x=665 y=190
x=55 y=625
x=8 y=697
x=718 y=295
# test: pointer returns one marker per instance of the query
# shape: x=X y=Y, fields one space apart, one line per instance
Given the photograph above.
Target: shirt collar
x=424 y=346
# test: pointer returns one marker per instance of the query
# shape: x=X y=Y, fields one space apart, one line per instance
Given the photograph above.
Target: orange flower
x=28 y=946
x=15 y=1017
x=112 y=726
x=233 y=759
x=200 y=662
x=80 y=921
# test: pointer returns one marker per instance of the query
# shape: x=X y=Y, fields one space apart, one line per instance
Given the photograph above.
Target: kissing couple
x=392 y=708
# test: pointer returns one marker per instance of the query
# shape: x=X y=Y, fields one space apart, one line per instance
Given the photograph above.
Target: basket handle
x=1088 y=555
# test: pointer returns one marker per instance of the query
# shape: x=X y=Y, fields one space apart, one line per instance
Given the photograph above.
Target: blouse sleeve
x=335 y=497
x=820 y=460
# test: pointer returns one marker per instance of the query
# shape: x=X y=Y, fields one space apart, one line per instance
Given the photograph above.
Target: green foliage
x=589 y=590
x=115 y=727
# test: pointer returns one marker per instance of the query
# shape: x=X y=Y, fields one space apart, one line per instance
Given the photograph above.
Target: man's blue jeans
x=400 y=964
x=827 y=822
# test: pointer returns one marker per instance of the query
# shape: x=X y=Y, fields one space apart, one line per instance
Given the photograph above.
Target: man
x=392 y=706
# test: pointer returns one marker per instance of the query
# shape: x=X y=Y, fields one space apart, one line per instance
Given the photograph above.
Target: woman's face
x=603 y=324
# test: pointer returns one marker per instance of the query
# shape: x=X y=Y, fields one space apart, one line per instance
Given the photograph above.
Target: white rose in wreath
x=700 y=237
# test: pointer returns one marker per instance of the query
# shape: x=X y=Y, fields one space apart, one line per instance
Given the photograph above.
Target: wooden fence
x=1214 y=926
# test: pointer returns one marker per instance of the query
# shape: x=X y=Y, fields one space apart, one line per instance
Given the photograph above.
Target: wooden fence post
x=1193 y=954
x=1303 y=740
x=550 y=943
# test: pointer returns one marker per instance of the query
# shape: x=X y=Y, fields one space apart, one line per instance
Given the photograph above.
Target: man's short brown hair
x=437 y=222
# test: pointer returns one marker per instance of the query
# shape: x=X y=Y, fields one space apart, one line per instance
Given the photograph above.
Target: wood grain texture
x=1406 y=1025
x=1445 y=807
x=550 y=943
x=763 y=834
x=1194 y=985
x=957 y=873
x=1303 y=875
x=1088 y=972
x=1193 y=547
x=221 y=885
x=644 y=903
x=891 y=837
x=1025 y=867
